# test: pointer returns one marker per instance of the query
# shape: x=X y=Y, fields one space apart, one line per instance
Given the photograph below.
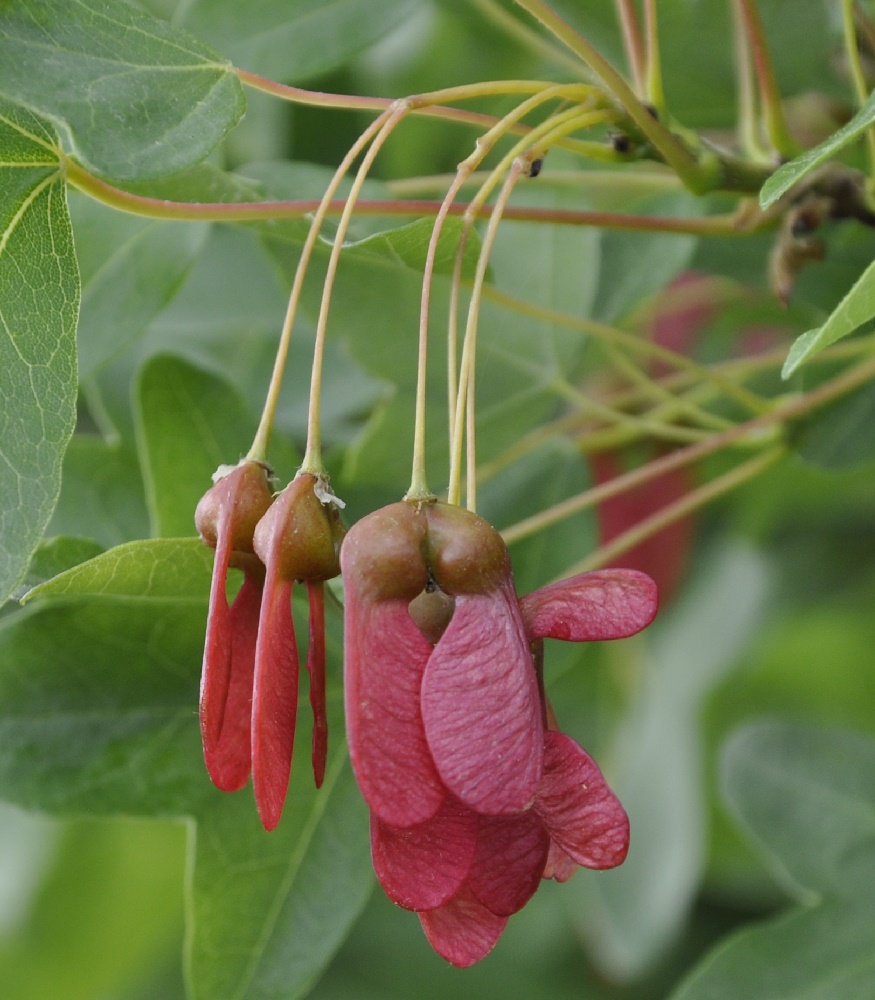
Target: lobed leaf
x=39 y=302
x=133 y=97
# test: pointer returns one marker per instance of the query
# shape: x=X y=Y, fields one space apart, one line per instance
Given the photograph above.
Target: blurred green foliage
x=178 y=324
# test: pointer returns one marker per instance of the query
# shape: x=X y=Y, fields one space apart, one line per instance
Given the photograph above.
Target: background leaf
x=115 y=891
x=791 y=173
x=635 y=911
x=135 y=616
x=131 y=268
x=296 y=39
x=164 y=98
x=855 y=309
x=838 y=436
x=39 y=301
x=408 y=245
x=807 y=798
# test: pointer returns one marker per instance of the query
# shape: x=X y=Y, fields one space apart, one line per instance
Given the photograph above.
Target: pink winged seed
x=274 y=700
x=605 y=604
x=481 y=708
x=422 y=867
x=578 y=809
x=510 y=859
x=463 y=931
x=229 y=759
x=216 y=673
x=385 y=656
x=316 y=670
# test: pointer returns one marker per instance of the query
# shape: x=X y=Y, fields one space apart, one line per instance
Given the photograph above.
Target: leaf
x=102 y=492
x=227 y=318
x=635 y=265
x=114 y=889
x=270 y=910
x=131 y=268
x=806 y=797
x=98 y=706
x=166 y=567
x=294 y=39
x=856 y=308
x=55 y=555
x=98 y=715
x=791 y=173
x=634 y=912
x=408 y=246
x=839 y=436
x=39 y=301
x=133 y=97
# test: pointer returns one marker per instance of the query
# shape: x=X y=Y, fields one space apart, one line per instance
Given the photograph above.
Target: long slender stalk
x=575 y=421
x=730 y=224
x=775 y=123
x=419 y=486
x=655 y=92
x=762 y=428
x=739 y=394
x=852 y=51
x=674 y=153
x=469 y=345
x=653 y=389
x=642 y=424
x=633 y=42
x=540 y=138
x=258 y=451
x=313 y=455
x=673 y=512
x=418 y=482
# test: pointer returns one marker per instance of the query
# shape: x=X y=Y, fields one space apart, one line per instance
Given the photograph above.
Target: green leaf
x=162 y=567
x=635 y=265
x=56 y=555
x=106 y=911
x=131 y=268
x=856 y=308
x=133 y=97
x=189 y=422
x=408 y=245
x=39 y=301
x=98 y=715
x=101 y=494
x=806 y=797
x=633 y=913
x=269 y=910
x=98 y=711
x=839 y=436
x=294 y=39
x=791 y=173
